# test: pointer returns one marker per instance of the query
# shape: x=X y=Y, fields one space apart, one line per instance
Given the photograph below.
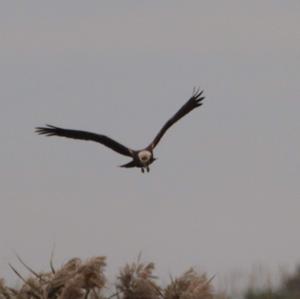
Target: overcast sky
x=224 y=192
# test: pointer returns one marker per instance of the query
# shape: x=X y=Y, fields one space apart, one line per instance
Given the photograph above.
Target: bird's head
x=145 y=156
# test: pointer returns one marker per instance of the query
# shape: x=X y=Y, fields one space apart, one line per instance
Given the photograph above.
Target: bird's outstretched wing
x=194 y=102
x=83 y=135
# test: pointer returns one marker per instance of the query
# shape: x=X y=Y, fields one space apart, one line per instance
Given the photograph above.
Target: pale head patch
x=144 y=156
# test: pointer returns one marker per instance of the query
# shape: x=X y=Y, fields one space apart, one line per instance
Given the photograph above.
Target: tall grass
x=78 y=279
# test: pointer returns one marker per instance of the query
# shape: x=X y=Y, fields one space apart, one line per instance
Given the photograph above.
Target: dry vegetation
x=86 y=280
x=190 y=285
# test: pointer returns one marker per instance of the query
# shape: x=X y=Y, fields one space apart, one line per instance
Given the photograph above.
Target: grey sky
x=224 y=193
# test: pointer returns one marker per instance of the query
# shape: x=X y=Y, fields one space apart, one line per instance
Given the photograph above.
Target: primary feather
x=194 y=102
x=84 y=135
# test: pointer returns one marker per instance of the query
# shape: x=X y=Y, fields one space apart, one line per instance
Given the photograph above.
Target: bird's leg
x=148 y=168
x=142 y=169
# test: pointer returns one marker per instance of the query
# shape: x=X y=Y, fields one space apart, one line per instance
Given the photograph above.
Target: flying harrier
x=140 y=158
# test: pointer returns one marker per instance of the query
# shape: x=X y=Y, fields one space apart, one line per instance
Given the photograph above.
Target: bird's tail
x=128 y=165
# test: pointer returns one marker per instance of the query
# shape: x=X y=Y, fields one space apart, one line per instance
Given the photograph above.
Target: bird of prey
x=140 y=158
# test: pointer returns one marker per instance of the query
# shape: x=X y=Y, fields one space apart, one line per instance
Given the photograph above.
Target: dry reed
x=74 y=280
x=86 y=280
x=190 y=285
x=136 y=281
x=6 y=292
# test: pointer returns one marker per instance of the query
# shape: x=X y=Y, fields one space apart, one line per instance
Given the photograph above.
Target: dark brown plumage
x=140 y=158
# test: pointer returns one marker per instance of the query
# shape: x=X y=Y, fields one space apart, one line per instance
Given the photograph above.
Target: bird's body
x=140 y=158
